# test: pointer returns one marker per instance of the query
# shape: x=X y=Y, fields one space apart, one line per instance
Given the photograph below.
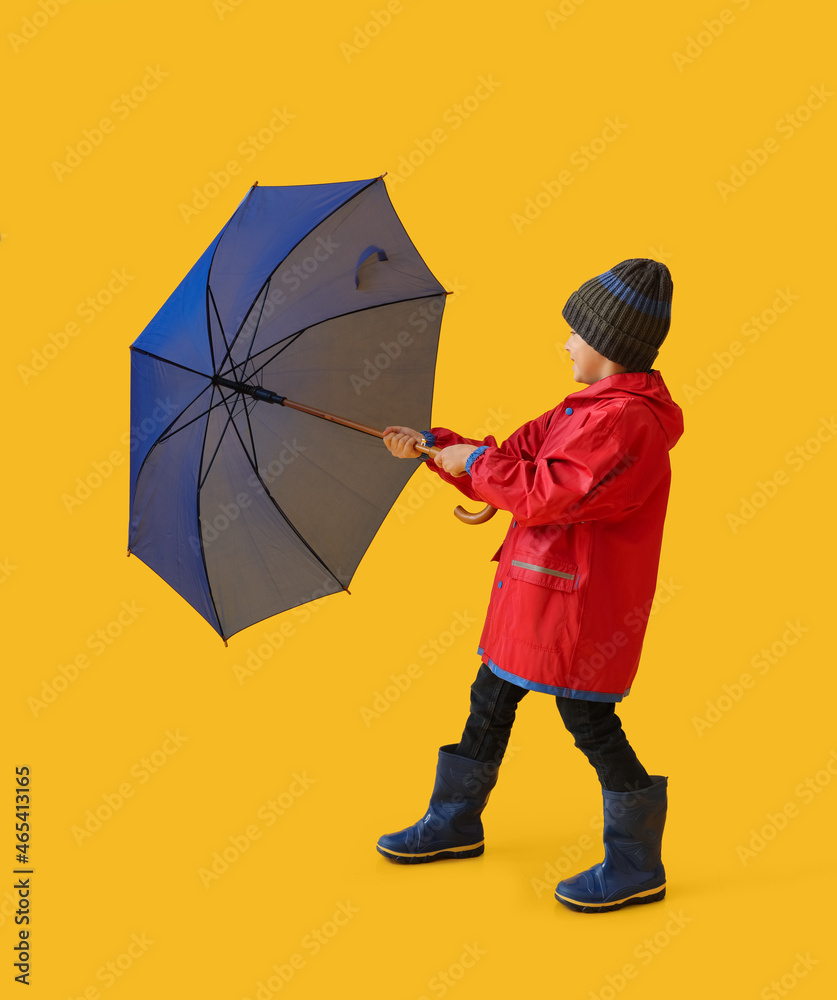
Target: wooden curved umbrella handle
x=477 y=517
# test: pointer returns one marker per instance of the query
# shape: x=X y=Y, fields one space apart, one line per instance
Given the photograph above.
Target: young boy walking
x=587 y=485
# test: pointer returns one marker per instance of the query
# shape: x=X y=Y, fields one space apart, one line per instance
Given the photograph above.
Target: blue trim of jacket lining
x=551 y=688
x=474 y=456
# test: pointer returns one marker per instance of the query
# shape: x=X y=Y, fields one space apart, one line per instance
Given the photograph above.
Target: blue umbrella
x=313 y=292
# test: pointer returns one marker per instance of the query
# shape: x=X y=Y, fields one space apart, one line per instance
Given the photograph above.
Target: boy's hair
x=625 y=313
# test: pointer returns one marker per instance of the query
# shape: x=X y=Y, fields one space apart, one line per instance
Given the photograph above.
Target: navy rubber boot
x=632 y=871
x=452 y=827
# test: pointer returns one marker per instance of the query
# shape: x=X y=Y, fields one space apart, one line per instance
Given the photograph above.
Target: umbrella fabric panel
x=178 y=330
x=334 y=270
x=160 y=396
x=257 y=564
x=334 y=485
x=263 y=231
x=165 y=533
x=374 y=376
x=376 y=369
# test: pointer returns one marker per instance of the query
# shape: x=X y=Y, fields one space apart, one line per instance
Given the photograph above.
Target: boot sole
x=470 y=851
x=649 y=896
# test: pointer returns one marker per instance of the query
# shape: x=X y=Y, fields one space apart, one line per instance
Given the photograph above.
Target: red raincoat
x=587 y=485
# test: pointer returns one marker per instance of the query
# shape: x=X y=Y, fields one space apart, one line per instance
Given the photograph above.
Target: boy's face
x=588 y=365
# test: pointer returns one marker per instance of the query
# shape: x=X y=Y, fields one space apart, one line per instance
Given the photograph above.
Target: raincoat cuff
x=473 y=457
x=430 y=441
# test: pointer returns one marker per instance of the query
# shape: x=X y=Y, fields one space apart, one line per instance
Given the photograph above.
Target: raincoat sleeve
x=442 y=438
x=522 y=444
x=579 y=475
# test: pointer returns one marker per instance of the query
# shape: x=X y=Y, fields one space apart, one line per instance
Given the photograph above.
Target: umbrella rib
x=157 y=357
x=208 y=278
x=286 y=343
x=200 y=539
x=287 y=520
x=255 y=331
x=220 y=324
x=230 y=414
x=249 y=427
x=164 y=436
x=328 y=319
x=188 y=423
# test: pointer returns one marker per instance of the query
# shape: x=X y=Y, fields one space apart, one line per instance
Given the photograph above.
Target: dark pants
x=594 y=726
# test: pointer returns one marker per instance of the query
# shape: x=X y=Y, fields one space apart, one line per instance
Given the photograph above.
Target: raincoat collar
x=646 y=386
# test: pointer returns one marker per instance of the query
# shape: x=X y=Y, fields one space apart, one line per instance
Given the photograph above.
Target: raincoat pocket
x=556 y=574
x=540 y=603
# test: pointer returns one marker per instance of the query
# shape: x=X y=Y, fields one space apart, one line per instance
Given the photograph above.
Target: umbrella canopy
x=312 y=292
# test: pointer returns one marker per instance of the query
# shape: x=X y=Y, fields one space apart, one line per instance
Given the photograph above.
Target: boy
x=587 y=485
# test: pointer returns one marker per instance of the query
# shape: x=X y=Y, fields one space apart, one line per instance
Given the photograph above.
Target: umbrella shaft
x=364 y=428
x=258 y=392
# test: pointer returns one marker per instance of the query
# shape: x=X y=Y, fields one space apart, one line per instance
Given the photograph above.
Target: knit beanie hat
x=625 y=313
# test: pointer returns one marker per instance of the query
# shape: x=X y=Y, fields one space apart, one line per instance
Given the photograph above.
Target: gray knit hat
x=625 y=313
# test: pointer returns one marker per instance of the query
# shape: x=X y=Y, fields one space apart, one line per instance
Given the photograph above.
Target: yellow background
x=357 y=97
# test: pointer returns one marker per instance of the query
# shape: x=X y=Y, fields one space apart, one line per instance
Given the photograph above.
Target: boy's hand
x=453 y=458
x=401 y=440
